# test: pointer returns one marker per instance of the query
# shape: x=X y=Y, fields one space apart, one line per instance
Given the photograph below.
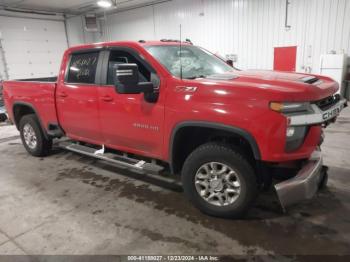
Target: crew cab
x=167 y=105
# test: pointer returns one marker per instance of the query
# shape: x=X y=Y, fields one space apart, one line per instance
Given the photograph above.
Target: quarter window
x=82 y=68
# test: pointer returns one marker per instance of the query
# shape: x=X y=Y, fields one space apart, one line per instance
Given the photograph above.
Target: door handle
x=62 y=94
x=107 y=98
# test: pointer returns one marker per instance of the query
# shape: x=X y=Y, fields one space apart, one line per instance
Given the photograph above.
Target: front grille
x=328 y=102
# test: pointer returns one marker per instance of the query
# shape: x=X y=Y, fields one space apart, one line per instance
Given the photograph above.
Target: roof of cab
x=163 y=42
x=127 y=43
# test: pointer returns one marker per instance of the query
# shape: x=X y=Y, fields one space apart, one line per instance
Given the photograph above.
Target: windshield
x=196 y=62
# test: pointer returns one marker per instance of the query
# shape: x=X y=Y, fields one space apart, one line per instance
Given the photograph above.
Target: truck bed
x=42 y=79
x=35 y=93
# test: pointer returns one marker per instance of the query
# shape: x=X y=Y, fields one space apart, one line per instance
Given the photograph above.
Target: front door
x=77 y=98
x=128 y=121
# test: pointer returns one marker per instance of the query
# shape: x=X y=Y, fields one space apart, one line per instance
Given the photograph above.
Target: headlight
x=290 y=107
x=295 y=135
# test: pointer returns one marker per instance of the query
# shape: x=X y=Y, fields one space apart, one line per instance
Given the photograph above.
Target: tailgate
x=1 y=96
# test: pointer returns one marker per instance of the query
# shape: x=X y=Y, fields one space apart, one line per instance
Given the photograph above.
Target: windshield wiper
x=195 y=77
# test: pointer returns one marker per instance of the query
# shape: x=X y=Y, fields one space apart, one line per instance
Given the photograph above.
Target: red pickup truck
x=167 y=105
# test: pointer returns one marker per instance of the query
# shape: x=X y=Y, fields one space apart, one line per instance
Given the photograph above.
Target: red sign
x=285 y=58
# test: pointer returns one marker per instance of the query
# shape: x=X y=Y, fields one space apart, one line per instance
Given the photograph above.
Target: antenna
x=181 y=51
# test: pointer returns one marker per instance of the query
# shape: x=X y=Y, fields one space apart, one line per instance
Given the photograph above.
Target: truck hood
x=276 y=75
x=278 y=85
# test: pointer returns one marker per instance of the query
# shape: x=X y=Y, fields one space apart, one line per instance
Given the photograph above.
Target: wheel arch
x=21 y=109
x=176 y=135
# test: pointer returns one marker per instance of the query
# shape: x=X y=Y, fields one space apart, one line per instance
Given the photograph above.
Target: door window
x=124 y=57
x=82 y=68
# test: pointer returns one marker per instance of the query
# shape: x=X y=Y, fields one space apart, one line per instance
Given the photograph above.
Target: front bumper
x=304 y=185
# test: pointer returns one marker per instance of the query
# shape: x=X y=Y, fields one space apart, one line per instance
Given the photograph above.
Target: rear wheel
x=324 y=178
x=3 y=117
x=33 y=137
x=219 y=180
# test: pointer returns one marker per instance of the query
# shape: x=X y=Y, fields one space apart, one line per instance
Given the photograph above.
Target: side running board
x=118 y=160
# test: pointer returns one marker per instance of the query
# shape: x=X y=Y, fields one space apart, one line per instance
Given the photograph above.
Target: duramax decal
x=146 y=126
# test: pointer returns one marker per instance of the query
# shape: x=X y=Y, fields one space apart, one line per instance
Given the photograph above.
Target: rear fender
x=32 y=108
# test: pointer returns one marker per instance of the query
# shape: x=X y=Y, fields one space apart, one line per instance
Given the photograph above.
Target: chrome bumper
x=304 y=185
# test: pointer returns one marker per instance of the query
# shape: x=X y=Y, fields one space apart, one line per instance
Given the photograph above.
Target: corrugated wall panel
x=131 y=25
x=248 y=28
x=32 y=47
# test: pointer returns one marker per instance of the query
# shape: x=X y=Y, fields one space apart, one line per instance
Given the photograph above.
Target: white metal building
x=249 y=29
x=94 y=163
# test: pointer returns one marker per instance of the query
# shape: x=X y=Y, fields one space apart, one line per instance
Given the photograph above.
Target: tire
x=36 y=143
x=213 y=156
x=324 y=179
x=3 y=118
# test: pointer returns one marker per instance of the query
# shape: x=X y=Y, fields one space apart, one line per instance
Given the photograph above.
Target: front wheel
x=33 y=137
x=219 y=180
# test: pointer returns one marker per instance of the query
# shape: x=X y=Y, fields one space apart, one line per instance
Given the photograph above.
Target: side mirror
x=126 y=80
x=229 y=62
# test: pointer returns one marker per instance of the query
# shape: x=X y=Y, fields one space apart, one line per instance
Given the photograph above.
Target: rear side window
x=82 y=68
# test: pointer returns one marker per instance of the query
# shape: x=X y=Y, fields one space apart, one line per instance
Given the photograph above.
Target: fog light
x=290 y=131
x=295 y=137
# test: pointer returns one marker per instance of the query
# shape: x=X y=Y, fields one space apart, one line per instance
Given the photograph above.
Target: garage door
x=32 y=47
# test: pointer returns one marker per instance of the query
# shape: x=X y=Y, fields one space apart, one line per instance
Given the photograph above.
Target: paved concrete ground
x=69 y=204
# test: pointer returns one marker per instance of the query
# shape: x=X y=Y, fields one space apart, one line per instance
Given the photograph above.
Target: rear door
x=77 y=97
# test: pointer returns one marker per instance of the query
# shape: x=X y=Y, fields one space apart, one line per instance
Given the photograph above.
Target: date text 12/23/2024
x=174 y=258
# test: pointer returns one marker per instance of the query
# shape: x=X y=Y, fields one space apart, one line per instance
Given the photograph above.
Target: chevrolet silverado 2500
x=158 y=105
